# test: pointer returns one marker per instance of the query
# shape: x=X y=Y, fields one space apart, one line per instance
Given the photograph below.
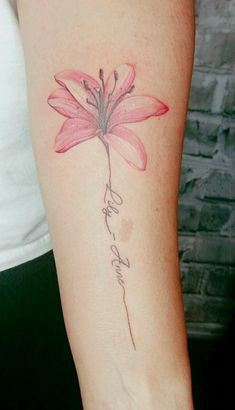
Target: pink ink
x=99 y=109
x=125 y=230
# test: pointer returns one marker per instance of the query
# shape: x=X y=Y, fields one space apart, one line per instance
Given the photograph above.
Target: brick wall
x=207 y=193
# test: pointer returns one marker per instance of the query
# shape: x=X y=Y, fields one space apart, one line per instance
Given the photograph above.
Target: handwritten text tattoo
x=98 y=109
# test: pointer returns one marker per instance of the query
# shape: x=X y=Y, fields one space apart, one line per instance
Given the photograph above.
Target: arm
x=110 y=189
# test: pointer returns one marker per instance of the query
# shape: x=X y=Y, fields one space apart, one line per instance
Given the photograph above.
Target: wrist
x=159 y=393
x=168 y=396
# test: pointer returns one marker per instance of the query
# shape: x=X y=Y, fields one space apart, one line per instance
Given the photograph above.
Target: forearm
x=114 y=228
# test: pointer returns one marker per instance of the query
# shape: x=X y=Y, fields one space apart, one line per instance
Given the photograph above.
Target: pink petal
x=78 y=83
x=64 y=103
x=135 y=109
x=129 y=146
x=125 y=75
x=73 y=132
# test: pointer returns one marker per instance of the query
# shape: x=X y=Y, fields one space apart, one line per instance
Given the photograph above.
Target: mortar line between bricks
x=200 y=202
x=207 y=265
x=212 y=70
x=207 y=163
x=202 y=234
x=212 y=118
x=205 y=233
x=197 y=296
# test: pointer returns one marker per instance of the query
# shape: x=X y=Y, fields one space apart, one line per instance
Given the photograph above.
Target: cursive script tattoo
x=113 y=201
x=98 y=109
x=111 y=206
x=117 y=263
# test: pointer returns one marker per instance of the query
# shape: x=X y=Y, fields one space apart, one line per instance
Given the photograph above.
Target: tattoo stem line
x=109 y=164
x=92 y=108
x=127 y=314
x=116 y=200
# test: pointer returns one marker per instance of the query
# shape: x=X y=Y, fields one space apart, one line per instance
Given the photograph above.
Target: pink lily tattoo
x=99 y=109
x=96 y=109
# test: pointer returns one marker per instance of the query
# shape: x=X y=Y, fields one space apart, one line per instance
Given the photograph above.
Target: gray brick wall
x=207 y=192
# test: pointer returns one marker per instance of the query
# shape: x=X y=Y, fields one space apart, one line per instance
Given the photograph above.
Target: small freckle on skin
x=125 y=230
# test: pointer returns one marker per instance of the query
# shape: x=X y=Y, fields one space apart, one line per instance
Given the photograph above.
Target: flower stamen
x=91 y=103
x=115 y=74
x=119 y=100
x=86 y=86
x=101 y=77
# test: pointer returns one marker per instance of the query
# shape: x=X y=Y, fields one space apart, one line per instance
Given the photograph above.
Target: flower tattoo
x=98 y=109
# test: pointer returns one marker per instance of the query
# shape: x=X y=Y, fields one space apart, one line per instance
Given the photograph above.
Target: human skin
x=129 y=354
